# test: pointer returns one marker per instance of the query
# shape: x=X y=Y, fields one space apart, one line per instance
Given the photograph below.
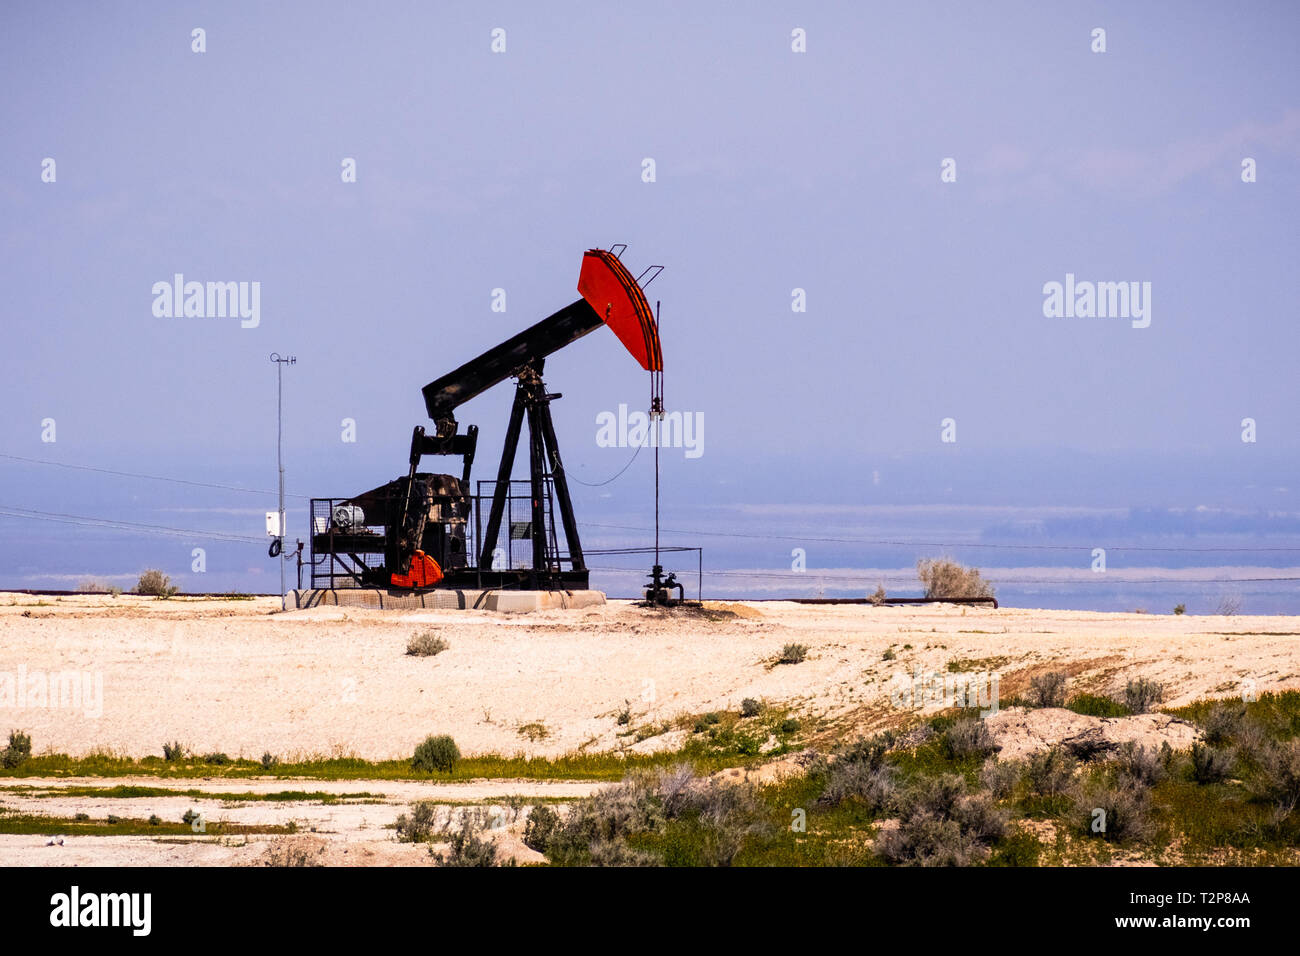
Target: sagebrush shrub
x=676 y=788
x=1145 y=766
x=979 y=815
x=1225 y=722
x=925 y=840
x=723 y=815
x=542 y=825
x=945 y=578
x=1048 y=690
x=436 y=753
x=999 y=777
x=873 y=785
x=426 y=644
x=155 y=584
x=942 y=825
x=1142 y=694
x=19 y=750
x=1050 y=772
x=420 y=825
x=793 y=654
x=1276 y=776
x=1211 y=764
x=969 y=736
x=1118 y=813
x=617 y=853
x=729 y=814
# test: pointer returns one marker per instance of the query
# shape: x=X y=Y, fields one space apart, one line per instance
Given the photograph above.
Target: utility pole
x=277 y=546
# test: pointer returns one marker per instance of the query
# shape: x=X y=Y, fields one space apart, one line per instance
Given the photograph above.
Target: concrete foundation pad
x=502 y=601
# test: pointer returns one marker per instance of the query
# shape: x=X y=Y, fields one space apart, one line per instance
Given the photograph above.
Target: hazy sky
x=775 y=170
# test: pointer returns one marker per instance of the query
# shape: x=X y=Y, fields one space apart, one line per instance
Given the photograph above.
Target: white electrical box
x=273 y=524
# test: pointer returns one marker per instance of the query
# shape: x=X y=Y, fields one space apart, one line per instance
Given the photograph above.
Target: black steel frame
x=548 y=490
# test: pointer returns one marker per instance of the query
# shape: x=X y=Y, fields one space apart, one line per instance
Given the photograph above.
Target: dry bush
x=1226 y=722
x=969 y=736
x=468 y=847
x=618 y=853
x=979 y=815
x=94 y=586
x=941 y=825
x=874 y=785
x=156 y=584
x=1050 y=772
x=426 y=644
x=878 y=596
x=999 y=777
x=596 y=831
x=1125 y=812
x=1142 y=694
x=543 y=823
x=675 y=786
x=929 y=841
x=1048 y=690
x=945 y=578
x=1144 y=766
x=1276 y=776
x=1212 y=764
x=730 y=814
x=295 y=851
x=792 y=654
x=1229 y=605
x=421 y=825
x=533 y=731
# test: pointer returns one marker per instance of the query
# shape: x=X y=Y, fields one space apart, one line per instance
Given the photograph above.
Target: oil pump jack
x=413 y=532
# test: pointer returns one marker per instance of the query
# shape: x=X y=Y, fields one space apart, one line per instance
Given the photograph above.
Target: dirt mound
x=734 y=609
x=1021 y=732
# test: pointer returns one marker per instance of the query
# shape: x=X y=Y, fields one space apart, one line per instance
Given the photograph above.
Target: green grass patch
x=34 y=825
x=833 y=836
x=932 y=759
x=137 y=792
x=726 y=735
x=1096 y=705
x=1277 y=713
x=1017 y=848
x=1211 y=816
x=705 y=757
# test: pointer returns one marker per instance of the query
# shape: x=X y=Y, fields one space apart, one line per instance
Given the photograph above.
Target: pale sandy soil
x=354 y=833
x=242 y=677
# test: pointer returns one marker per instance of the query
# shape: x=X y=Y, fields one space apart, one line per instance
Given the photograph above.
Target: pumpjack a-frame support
x=544 y=462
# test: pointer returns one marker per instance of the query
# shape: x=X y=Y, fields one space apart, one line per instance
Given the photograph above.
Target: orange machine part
x=610 y=289
x=424 y=573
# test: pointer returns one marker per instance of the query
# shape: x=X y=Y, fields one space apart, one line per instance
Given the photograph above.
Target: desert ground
x=243 y=678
